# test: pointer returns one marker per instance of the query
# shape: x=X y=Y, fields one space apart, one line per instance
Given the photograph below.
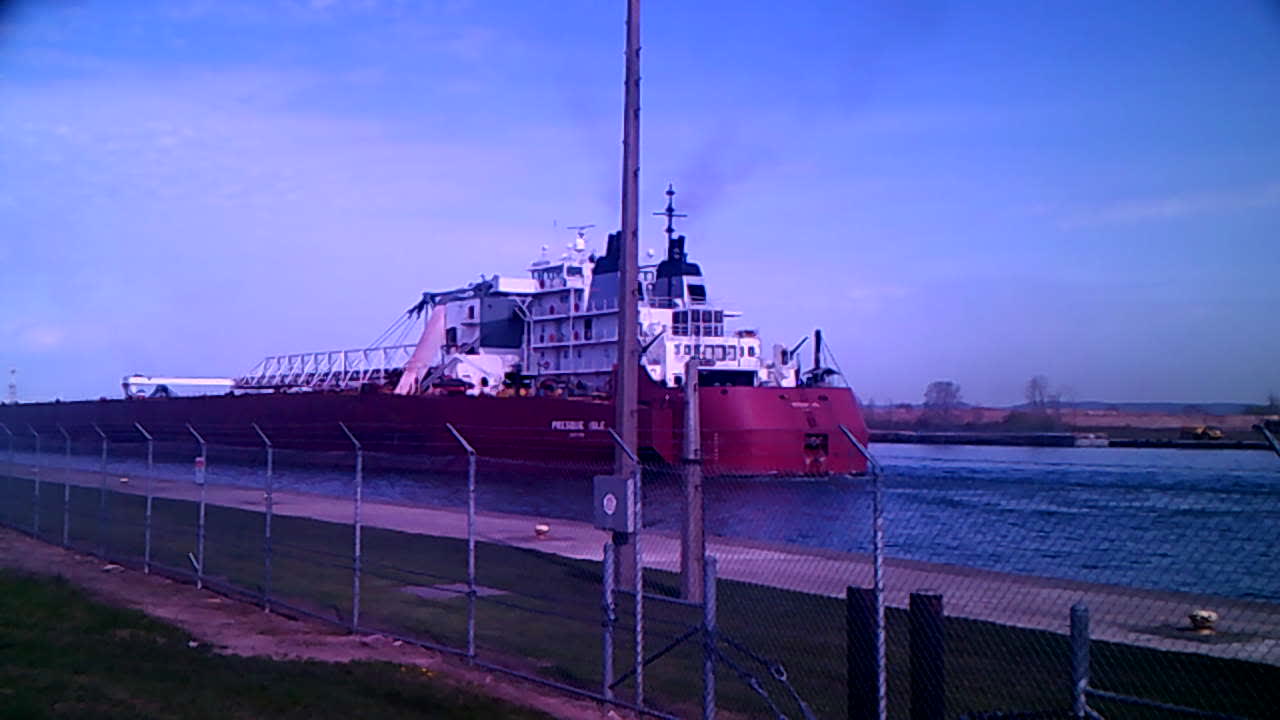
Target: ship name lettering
x=566 y=424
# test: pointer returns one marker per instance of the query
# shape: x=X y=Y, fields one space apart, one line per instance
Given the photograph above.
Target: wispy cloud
x=1177 y=206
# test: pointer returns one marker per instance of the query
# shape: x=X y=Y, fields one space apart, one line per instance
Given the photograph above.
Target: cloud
x=1177 y=206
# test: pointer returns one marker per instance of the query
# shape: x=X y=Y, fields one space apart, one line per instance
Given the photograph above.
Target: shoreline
x=1055 y=439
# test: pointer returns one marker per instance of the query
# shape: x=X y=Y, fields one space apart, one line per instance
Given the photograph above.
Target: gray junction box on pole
x=613 y=498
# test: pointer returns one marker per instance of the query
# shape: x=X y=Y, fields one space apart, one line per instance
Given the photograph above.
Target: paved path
x=1248 y=630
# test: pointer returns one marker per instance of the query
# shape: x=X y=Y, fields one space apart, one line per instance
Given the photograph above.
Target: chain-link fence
x=1162 y=564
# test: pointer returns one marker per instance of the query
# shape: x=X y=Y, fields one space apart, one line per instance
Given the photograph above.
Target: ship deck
x=1249 y=630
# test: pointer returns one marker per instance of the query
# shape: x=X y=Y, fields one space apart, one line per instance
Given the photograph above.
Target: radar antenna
x=670 y=213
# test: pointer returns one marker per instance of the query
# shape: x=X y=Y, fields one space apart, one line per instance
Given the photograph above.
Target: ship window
x=719 y=352
x=574 y=271
x=719 y=316
x=586 y=328
x=698 y=293
x=706 y=352
x=697 y=331
x=681 y=317
x=751 y=351
x=688 y=350
x=732 y=352
x=678 y=379
x=471 y=312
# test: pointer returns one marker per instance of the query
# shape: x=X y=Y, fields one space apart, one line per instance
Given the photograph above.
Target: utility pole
x=625 y=392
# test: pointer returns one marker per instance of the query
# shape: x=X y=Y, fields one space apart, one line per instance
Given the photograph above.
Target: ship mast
x=625 y=393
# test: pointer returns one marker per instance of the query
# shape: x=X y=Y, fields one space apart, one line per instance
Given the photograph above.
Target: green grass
x=66 y=656
x=549 y=623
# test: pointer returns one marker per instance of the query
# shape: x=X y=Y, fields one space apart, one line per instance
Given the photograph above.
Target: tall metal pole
x=625 y=394
x=269 y=495
x=693 y=546
x=355 y=522
x=471 y=541
x=200 y=477
x=146 y=518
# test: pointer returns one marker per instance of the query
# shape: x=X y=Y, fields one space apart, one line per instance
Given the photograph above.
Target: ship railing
x=327 y=369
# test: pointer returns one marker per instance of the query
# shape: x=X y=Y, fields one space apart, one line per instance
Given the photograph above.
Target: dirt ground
x=237 y=628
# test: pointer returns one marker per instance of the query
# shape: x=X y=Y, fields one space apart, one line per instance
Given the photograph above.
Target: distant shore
x=1056 y=440
x=1064 y=427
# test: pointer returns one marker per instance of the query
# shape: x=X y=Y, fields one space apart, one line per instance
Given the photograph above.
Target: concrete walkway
x=1247 y=630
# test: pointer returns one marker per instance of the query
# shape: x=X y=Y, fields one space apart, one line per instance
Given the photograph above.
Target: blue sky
x=977 y=192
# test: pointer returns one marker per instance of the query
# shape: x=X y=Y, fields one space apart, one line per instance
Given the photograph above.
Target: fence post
x=66 y=493
x=151 y=456
x=1079 y=660
x=693 y=542
x=201 y=468
x=359 y=492
x=13 y=458
x=266 y=522
x=637 y=515
x=471 y=541
x=35 y=490
x=102 y=494
x=146 y=518
x=877 y=543
x=610 y=619
x=928 y=663
x=709 y=637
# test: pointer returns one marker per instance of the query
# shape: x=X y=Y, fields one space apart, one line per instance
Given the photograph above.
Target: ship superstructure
x=556 y=331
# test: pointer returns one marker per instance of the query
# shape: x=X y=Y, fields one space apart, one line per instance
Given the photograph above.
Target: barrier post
x=471 y=541
x=359 y=491
x=928 y=656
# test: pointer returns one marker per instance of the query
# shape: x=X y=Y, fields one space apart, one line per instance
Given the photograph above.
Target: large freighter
x=523 y=368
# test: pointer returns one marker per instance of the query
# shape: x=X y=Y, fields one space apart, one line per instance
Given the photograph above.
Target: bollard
x=928 y=675
x=266 y=522
x=359 y=491
x=709 y=637
x=610 y=618
x=1079 y=660
x=860 y=655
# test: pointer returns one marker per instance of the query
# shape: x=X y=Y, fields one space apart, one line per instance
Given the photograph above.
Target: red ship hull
x=745 y=430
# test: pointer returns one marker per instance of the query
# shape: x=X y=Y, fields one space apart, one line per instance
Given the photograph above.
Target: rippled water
x=1195 y=520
